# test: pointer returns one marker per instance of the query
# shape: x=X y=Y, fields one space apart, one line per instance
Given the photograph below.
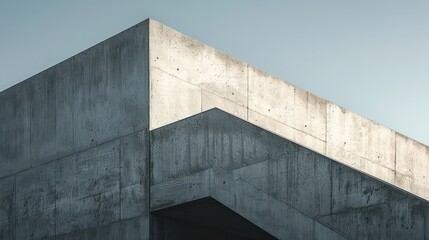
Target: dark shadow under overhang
x=204 y=218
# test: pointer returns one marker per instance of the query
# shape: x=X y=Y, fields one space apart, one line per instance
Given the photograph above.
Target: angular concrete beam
x=255 y=205
x=286 y=189
x=188 y=77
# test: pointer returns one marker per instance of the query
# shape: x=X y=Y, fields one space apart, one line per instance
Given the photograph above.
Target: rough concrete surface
x=103 y=146
x=74 y=145
x=286 y=189
x=277 y=106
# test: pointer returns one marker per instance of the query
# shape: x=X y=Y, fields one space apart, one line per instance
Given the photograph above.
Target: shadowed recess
x=204 y=218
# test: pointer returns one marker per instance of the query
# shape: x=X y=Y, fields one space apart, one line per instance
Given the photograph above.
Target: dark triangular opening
x=203 y=219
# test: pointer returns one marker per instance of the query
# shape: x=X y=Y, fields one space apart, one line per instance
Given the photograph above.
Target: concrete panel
x=130 y=229
x=310 y=114
x=7 y=198
x=181 y=190
x=109 y=209
x=39 y=226
x=86 y=234
x=198 y=64
x=412 y=159
x=272 y=178
x=286 y=131
x=35 y=191
x=353 y=190
x=232 y=144
x=294 y=179
x=52 y=114
x=233 y=86
x=276 y=217
x=360 y=136
x=88 y=173
x=271 y=125
x=420 y=188
x=237 y=194
x=15 y=129
x=81 y=191
x=271 y=97
x=216 y=141
x=343 y=156
x=359 y=163
x=210 y=100
x=35 y=196
x=83 y=213
x=378 y=171
x=309 y=141
x=287 y=104
x=401 y=219
x=110 y=88
x=7 y=229
x=79 y=149
x=171 y=99
x=134 y=154
x=133 y=201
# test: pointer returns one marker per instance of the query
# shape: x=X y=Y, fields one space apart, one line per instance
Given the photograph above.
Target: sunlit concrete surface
x=181 y=68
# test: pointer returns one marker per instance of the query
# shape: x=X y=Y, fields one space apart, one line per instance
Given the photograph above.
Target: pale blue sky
x=370 y=56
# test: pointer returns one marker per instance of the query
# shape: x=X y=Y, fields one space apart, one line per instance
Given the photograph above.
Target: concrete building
x=153 y=135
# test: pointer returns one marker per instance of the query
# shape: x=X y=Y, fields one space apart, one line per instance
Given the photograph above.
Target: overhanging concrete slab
x=202 y=77
x=286 y=189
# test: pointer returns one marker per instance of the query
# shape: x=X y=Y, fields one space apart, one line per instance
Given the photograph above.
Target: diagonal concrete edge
x=188 y=77
x=284 y=188
x=268 y=213
x=202 y=219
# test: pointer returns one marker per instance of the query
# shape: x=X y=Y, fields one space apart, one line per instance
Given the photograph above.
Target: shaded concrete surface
x=129 y=229
x=74 y=145
x=287 y=190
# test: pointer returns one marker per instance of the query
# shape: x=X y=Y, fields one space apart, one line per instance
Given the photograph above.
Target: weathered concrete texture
x=74 y=145
x=412 y=165
x=129 y=229
x=179 y=63
x=286 y=189
x=14 y=129
x=96 y=96
x=89 y=189
x=110 y=88
x=188 y=77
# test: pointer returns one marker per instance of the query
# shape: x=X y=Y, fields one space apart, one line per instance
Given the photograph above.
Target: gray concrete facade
x=286 y=189
x=74 y=146
x=188 y=77
x=118 y=142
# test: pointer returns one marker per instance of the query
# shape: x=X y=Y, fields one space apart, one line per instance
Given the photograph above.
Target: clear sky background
x=370 y=56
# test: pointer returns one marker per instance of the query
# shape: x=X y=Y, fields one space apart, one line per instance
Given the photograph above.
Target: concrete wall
x=188 y=77
x=74 y=146
x=289 y=191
